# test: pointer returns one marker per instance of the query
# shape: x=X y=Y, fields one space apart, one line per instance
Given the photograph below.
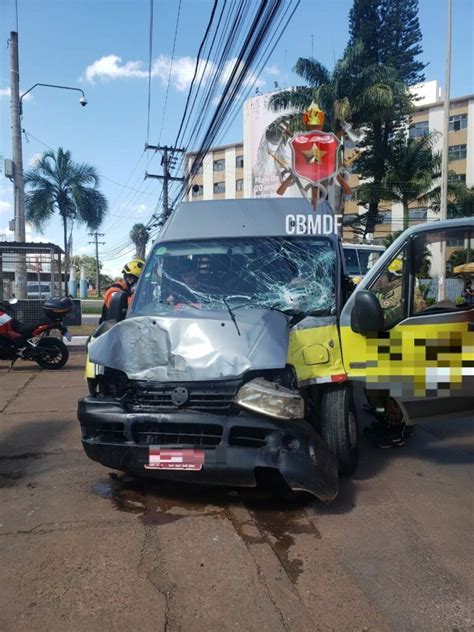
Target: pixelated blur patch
x=422 y=360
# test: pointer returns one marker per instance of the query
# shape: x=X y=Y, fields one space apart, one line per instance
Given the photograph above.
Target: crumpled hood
x=189 y=347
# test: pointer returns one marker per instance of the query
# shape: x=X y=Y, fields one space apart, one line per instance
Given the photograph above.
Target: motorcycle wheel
x=55 y=355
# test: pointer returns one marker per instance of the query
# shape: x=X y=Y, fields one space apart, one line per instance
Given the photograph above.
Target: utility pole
x=20 y=268
x=444 y=156
x=97 y=243
x=166 y=162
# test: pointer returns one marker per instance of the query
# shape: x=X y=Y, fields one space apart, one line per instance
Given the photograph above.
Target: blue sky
x=102 y=47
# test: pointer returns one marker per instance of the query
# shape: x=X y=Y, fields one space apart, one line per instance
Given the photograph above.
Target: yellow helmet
x=396 y=266
x=134 y=267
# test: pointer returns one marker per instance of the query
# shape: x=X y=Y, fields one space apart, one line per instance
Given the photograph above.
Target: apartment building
x=223 y=175
x=428 y=117
x=220 y=175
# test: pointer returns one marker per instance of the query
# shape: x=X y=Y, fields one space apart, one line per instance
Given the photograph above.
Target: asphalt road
x=84 y=549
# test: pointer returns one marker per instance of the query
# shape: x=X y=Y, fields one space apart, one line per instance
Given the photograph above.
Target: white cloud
x=34 y=159
x=111 y=67
x=272 y=70
x=5 y=93
x=182 y=71
x=251 y=79
x=5 y=207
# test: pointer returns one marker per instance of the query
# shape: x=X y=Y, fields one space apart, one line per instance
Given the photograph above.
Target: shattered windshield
x=291 y=274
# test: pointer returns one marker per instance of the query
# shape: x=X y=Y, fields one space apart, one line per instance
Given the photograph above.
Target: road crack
x=19 y=392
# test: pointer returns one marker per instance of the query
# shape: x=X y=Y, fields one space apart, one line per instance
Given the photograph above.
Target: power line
x=169 y=74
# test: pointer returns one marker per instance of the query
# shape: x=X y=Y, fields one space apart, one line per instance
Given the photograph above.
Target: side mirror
x=118 y=306
x=367 y=313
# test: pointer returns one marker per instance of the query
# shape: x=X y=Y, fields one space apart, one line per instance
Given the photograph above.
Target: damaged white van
x=235 y=361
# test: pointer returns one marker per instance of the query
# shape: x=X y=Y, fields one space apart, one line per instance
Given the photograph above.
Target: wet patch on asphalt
x=273 y=521
x=7 y=479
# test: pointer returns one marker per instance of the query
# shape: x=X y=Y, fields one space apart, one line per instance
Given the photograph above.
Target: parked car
x=38 y=290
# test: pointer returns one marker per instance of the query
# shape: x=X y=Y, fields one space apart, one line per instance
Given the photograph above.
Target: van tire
x=338 y=426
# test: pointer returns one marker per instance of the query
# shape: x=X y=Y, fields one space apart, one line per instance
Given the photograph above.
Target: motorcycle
x=33 y=341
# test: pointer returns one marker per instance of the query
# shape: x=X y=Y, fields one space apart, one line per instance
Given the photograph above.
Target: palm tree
x=351 y=92
x=370 y=96
x=57 y=183
x=412 y=172
x=140 y=236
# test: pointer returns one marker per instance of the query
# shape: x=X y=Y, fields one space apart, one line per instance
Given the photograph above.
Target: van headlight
x=269 y=398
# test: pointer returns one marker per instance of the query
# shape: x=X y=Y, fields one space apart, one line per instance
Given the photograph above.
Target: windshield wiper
x=232 y=315
x=286 y=312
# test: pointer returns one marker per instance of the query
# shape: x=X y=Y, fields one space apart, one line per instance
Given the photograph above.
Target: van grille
x=171 y=433
x=208 y=397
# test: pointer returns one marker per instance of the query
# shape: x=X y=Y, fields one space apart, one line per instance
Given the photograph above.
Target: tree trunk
x=406 y=216
x=66 y=253
x=141 y=249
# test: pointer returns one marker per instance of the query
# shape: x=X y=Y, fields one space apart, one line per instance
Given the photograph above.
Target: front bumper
x=235 y=446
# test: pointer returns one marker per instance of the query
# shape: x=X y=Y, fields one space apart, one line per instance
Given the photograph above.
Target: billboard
x=261 y=178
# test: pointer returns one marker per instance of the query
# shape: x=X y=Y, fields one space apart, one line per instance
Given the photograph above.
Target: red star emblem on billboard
x=315 y=155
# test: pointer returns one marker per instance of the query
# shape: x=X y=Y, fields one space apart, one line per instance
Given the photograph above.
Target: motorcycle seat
x=26 y=330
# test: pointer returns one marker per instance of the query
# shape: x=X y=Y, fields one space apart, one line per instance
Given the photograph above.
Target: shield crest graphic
x=315 y=155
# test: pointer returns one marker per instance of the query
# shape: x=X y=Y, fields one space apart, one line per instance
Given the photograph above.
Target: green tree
x=368 y=86
x=461 y=202
x=413 y=168
x=90 y=267
x=389 y=33
x=457 y=258
x=58 y=184
x=140 y=237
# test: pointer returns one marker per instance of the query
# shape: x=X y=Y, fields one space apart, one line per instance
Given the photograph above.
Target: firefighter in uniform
x=131 y=272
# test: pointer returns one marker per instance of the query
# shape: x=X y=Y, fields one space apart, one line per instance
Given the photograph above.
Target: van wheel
x=338 y=426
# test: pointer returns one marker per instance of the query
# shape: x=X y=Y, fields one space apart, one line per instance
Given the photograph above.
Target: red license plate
x=161 y=459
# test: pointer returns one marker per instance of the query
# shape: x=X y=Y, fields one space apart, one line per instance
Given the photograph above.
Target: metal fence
x=31 y=311
x=30 y=270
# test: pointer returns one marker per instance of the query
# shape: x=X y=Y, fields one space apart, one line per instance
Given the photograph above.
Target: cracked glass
x=295 y=275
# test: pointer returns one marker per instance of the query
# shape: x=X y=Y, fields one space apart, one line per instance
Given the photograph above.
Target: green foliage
x=58 y=184
x=457 y=258
x=461 y=203
x=90 y=266
x=140 y=237
x=413 y=168
x=368 y=86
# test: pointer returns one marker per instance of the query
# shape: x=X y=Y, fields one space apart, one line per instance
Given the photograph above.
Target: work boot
x=394 y=437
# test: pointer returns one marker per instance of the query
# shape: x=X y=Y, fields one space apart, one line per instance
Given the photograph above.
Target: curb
x=76 y=341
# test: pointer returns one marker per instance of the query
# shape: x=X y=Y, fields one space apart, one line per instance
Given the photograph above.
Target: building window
x=239 y=185
x=239 y=162
x=457 y=152
x=418 y=130
x=197 y=190
x=219 y=187
x=454 y=242
x=457 y=122
x=417 y=214
x=386 y=217
x=219 y=165
x=457 y=177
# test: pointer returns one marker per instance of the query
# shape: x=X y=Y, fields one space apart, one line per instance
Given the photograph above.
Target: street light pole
x=444 y=155
x=17 y=155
